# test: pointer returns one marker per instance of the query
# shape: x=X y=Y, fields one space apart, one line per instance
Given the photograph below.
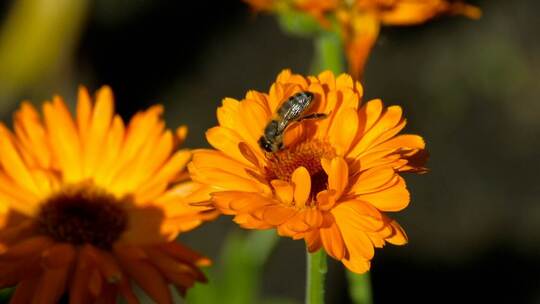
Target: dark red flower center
x=83 y=215
x=308 y=154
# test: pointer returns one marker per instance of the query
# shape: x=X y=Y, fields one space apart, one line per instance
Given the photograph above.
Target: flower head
x=89 y=204
x=333 y=181
x=360 y=22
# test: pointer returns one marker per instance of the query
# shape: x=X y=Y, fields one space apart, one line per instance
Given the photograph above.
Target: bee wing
x=292 y=115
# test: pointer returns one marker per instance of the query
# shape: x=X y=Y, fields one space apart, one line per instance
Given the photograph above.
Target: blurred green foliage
x=36 y=39
x=237 y=277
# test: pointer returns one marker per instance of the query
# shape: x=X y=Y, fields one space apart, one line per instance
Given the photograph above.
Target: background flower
x=359 y=21
x=90 y=204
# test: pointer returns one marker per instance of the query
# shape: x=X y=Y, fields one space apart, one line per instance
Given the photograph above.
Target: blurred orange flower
x=360 y=20
x=88 y=204
x=332 y=183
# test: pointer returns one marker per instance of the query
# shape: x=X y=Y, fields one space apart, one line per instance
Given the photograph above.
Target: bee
x=292 y=110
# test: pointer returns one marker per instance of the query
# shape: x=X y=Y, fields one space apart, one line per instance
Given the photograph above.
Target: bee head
x=269 y=145
x=265 y=144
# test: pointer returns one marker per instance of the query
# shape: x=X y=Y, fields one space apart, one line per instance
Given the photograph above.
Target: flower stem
x=315 y=274
x=360 y=287
x=328 y=53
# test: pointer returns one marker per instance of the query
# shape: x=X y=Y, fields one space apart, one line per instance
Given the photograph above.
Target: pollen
x=81 y=214
x=308 y=154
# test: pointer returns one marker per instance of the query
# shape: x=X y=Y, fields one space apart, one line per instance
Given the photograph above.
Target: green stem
x=328 y=53
x=316 y=271
x=360 y=287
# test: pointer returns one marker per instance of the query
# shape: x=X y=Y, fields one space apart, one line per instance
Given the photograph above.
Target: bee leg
x=314 y=116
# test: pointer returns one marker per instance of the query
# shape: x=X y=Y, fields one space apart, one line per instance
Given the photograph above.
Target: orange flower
x=88 y=204
x=360 y=20
x=332 y=183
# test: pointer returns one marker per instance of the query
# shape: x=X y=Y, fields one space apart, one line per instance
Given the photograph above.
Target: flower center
x=308 y=154
x=81 y=214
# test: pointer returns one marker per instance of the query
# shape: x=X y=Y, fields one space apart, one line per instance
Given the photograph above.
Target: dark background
x=471 y=88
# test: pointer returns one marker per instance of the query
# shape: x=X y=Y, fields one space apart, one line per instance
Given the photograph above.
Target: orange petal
x=344 y=81
x=169 y=265
x=373 y=179
x=110 y=163
x=398 y=237
x=227 y=113
x=12 y=163
x=226 y=140
x=313 y=240
x=394 y=198
x=95 y=283
x=357 y=265
x=296 y=224
x=99 y=125
x=79 y=289
x=36 y=244
x=358 y=243
x=59 y=255
x=107 y=265
x=327 y=77
x=253 y=117
x=32 y=134
x=409 y=141
x=124 y=288
x=332 y=241
x=181 y=134
x=84 y=113
x=338 y=175
x=145 y=275
x=18 y=198
x=277 y=215
x=248 y=154
x=284 y=190
x=302 y=186
x=25 y=291
x=233 y=202
x=181 y=252
x=365 y=28
x=175 y=164
x=313 y=217
x=387 y=126
x=52 y=283
x=369 y=114
x=343 y=130
x=212 y=159
x=359 y=215
x=326 y=199
x=64 y=138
